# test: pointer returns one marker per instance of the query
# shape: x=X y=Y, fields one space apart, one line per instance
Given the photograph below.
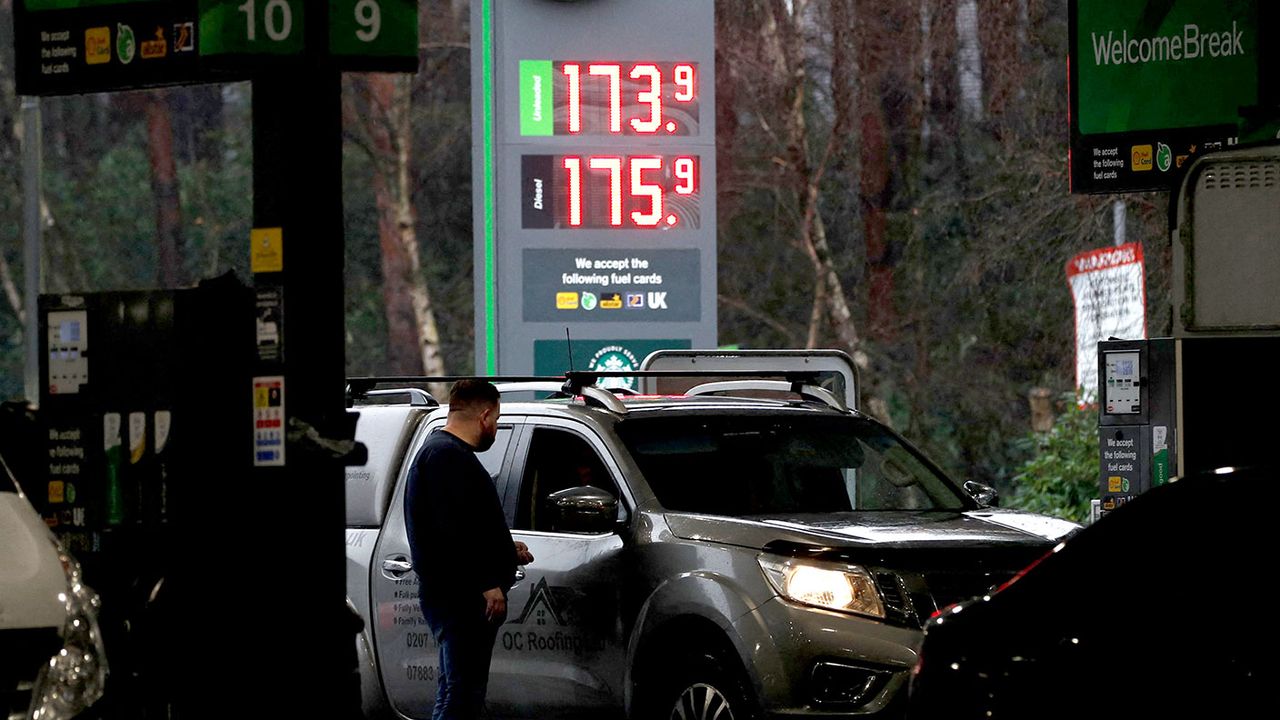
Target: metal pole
x=1118 y=222
x=31 y=232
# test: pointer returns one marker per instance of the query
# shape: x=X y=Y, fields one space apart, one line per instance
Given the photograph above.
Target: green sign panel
x=551 y=357
x=1152 y=65
x=536 y=83
x=254 y=27
x=374 y=28
x=357 y=28
x=1155 y=83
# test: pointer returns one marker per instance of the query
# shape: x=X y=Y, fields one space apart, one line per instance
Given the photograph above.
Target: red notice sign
x=1109 y=289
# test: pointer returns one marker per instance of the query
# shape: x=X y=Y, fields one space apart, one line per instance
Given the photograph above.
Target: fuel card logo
x=126 y=44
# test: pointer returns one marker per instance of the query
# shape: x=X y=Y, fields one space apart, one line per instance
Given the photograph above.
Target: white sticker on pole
x=1110 y=294
x=268 y=421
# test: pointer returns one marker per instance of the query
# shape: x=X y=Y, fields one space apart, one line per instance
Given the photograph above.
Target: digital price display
x=585 y=97
x=595 y=177
x=633 y=192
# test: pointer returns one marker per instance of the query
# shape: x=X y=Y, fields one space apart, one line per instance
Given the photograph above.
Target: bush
x=1061 y=478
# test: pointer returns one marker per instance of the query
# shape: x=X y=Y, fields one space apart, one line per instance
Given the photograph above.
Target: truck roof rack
x=582 y=383
x=417 y=396
x=808 y=392
x=361 y=388
x=592 y=395
x=803 y=382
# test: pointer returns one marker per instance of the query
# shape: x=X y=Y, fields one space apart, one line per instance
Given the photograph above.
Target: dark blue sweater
x=458 y=533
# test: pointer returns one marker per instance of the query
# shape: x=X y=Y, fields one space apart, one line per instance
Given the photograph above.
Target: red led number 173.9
x=641 y=98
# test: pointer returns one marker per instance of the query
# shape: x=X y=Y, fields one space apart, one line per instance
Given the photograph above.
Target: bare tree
x=412 y=334
x=1002 y=33
x=771 y=49
x=969 y=59
x=164 y=187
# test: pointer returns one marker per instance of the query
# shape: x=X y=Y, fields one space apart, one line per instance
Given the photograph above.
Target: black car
x=1157 y=610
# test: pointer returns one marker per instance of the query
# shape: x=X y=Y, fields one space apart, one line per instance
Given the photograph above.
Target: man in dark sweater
x=451 y=503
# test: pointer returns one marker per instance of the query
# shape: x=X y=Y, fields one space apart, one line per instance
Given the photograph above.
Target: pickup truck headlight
x=832 y=586
x=75 y=678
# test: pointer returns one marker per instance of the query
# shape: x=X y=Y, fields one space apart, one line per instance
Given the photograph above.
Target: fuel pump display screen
x=1123 y=390
x=68 y=365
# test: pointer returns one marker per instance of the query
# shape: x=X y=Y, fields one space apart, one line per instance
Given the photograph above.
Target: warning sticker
x=266 y=250
x=268 y=421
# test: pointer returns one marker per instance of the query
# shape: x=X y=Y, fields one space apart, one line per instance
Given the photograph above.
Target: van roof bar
x=805 y=391
x=581 y=378
x=358 y=386
x=363 y=388
x=592 y=395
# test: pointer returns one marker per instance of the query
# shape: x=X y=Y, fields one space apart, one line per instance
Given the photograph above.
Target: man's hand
x=523 y=556
x=495 y=606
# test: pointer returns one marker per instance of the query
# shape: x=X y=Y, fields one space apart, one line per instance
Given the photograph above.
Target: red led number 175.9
x=642 y=100
x=641 y=182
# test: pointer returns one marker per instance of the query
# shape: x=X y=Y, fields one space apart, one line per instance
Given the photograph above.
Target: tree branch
x=746 y=309
x=11 y=291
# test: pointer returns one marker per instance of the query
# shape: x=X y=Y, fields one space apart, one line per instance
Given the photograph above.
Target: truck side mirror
x=984 y=495
x=584 y=509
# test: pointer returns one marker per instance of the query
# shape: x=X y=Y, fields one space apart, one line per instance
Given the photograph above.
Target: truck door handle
x=396 y=566
x=519 y=577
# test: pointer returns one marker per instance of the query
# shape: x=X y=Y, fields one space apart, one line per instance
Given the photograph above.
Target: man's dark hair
x=472 y=396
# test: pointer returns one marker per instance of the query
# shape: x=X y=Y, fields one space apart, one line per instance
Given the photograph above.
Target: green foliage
x=1062 y=477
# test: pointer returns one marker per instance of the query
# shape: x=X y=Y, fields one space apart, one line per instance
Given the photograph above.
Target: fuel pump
x=141 y=427
x=1136 y=418
x=1169 y=407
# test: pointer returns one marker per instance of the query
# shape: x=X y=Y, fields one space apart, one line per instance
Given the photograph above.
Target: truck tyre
x=700 y=686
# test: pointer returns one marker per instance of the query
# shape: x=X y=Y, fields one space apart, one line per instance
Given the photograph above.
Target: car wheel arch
x=654 y=650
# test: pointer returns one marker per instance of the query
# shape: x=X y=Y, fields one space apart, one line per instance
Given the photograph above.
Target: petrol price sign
x=595 y=167
x=609 y=191
x=608 y=98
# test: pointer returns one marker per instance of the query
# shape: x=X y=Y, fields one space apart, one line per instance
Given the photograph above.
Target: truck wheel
x=702 y=687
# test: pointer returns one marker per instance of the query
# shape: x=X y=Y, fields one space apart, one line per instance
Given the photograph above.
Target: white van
x=52 y=664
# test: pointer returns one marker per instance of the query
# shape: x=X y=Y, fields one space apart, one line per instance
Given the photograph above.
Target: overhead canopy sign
x=80 y=46
x=1155 y=83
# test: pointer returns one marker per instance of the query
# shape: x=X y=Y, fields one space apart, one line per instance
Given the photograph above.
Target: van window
x=770 y=465
x=558 y=460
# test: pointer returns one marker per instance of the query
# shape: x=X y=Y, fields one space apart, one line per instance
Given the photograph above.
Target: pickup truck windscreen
x=761 y=465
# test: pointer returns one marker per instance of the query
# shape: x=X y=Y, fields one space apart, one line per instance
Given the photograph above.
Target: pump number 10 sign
x=379 y=28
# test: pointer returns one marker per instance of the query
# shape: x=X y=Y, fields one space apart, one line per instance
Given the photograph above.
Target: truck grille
x=922 y=584
x=948 y=588
x=899 y=608
x=22 y=653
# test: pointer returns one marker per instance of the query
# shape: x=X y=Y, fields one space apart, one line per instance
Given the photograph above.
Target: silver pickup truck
x=699 y=555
